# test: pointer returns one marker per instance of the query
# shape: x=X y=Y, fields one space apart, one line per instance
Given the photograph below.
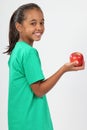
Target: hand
x=71 y=66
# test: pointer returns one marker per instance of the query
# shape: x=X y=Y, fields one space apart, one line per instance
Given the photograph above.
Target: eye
x=42 y=23
x=33 y=23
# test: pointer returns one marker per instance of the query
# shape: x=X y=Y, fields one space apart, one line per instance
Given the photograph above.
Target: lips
x=38 y=34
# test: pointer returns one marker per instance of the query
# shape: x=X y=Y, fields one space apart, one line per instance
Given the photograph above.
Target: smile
x=37 y=34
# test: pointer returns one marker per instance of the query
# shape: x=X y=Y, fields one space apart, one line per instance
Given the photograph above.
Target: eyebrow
x=33 y=20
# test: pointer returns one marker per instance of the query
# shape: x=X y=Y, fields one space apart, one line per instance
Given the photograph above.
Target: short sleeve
x=32 y=66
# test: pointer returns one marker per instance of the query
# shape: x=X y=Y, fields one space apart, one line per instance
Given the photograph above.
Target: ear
x=18 y=27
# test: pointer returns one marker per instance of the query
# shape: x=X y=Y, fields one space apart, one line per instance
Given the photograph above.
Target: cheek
x=29 y=30
x=43 y=28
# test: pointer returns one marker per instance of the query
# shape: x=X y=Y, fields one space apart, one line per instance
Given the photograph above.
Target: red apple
x=77 y=56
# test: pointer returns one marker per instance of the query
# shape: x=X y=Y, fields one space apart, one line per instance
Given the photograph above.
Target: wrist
x=64 y=68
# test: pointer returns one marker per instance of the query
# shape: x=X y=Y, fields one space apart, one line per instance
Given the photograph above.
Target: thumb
x=75 y=63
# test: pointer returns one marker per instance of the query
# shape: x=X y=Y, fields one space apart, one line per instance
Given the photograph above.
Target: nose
x=39 y=27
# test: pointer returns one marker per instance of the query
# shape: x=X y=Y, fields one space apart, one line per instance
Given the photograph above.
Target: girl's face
x=32 y=28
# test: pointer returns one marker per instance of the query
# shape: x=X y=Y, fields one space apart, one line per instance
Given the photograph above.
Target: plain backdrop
x=65 y=32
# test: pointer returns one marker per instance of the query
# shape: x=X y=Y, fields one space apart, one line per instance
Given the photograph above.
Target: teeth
x=37 y=34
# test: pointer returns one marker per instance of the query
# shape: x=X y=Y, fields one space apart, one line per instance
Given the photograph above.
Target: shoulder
x=25 y=48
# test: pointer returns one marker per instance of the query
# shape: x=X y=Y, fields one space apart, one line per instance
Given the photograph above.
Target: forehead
x=33 y=14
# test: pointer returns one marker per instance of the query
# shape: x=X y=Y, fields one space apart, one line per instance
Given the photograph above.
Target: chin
x=37 y=39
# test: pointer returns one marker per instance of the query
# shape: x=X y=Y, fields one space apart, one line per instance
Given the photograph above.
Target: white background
x=65 y=32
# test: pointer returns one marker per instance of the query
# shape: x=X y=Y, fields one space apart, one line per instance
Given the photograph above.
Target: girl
x=27 y=104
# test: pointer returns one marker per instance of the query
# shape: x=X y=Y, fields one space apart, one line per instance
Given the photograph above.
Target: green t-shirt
x=26 y=111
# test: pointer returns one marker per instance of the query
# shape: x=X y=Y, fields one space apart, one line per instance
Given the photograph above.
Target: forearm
x=41 y=88
x=49 y=83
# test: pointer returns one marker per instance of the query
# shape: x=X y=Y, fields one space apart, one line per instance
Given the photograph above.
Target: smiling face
x=32 y=27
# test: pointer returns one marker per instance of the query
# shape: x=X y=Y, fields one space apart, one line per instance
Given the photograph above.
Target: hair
x=18 y=16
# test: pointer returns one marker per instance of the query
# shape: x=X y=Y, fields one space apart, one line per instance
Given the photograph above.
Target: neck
x=30 y=43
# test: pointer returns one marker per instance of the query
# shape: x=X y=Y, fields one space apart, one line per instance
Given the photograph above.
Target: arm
x=42 y=87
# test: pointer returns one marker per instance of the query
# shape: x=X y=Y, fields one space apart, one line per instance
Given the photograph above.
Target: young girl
x=27 y=104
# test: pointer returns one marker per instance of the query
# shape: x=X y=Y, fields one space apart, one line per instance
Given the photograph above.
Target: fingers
x=76 y=67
